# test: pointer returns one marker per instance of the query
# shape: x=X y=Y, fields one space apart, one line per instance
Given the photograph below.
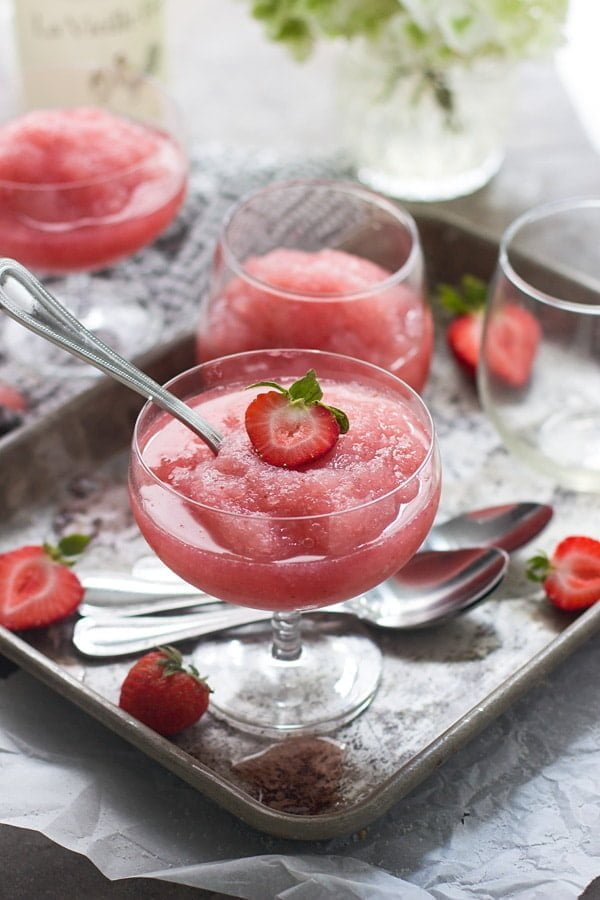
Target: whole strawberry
x=571 y=576
x=37 y=586
x=163 y=694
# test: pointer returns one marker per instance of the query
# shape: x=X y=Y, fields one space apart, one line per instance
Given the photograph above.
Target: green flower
x=420 y=32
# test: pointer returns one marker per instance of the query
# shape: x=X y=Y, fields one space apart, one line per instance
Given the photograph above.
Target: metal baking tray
x=65 y=470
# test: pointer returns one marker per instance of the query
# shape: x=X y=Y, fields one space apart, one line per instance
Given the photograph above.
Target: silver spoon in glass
x=27 y=301
x=442 y=583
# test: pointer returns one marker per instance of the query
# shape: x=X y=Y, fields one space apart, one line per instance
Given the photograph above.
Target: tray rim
x=286 y=825
x=211 y=784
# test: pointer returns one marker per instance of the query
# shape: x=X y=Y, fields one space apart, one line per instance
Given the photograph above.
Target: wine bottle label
x=118 y=39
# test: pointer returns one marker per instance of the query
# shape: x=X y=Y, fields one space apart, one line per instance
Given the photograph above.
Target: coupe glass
x=287 y=563
x=539 y=375
x=58 y=229
x=320 y=264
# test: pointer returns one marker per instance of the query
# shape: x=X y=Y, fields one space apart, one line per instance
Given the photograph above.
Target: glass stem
x=287 y=644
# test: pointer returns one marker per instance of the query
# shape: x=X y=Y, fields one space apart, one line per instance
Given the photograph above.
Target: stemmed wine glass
x=289 y=541
x=321 y=264
x=67 y=229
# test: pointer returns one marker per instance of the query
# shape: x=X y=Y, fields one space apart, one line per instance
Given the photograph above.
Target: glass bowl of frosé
x=84 y=185
x=86 y=181
x=287 y=539
x=320 y=264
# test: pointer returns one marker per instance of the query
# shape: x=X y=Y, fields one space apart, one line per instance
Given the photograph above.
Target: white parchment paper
x=514 y=815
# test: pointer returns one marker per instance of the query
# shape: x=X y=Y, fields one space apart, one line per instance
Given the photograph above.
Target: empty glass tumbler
x=539 y=373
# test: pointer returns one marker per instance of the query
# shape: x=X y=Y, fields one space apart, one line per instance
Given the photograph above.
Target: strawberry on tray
x=571 y=576
x=513 y=333
x=37 y=585
x=162 y=693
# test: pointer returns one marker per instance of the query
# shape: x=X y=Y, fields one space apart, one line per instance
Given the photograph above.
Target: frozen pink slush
x=269 y=537
x=81 y=188
x=326 y=300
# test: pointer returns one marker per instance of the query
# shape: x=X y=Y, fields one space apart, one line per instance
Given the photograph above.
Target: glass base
x=333 y=680
x=564 y=447
x=421 y=188
x=116 y=313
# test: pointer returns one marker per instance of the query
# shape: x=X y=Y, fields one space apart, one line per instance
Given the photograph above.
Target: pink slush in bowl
x=324 y=265
x=81 y=187
x=273 y=538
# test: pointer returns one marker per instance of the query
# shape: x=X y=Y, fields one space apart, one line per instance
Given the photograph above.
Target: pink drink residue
x=390 y=327
x=274 y=538
x=81 y=188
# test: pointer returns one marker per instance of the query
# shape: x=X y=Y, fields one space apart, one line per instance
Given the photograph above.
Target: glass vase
x=427 y=134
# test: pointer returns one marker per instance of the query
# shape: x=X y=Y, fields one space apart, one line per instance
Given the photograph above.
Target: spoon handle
x=43 y=314
x=119 y=636
x=111 y=590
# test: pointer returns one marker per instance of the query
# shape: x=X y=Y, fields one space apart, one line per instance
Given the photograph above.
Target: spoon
x=37 y=309
x=441 y=584
x=508 y=526
x=155 y=588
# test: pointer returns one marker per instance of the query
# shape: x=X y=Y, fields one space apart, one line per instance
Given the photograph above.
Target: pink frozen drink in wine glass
x=284 y=539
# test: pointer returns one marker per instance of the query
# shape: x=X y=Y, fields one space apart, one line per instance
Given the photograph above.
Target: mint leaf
x=73 y=544
x=271 y=384
x=342 y=418
x=307 y=389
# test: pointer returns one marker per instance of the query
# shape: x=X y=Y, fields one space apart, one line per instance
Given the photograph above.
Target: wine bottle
x=72 y=49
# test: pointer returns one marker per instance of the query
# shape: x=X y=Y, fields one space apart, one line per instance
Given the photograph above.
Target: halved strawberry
x=37 y=587
x=12 y=406
x=464 y=339
x=571 y=577
x=12 y=398
x=511 y=344
x=512 y=339
x=290 y=426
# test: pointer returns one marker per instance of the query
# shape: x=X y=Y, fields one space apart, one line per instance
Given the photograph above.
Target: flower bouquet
x=425 y=85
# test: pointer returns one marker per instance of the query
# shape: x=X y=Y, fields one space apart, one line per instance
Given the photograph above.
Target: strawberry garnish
x=513 y=333
x=571 y=577
x=162 y=693
x=291 y=426
x=37 y=586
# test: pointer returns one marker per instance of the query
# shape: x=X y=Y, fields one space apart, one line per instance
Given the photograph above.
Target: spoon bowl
x=437 y=586
x=508 y=526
